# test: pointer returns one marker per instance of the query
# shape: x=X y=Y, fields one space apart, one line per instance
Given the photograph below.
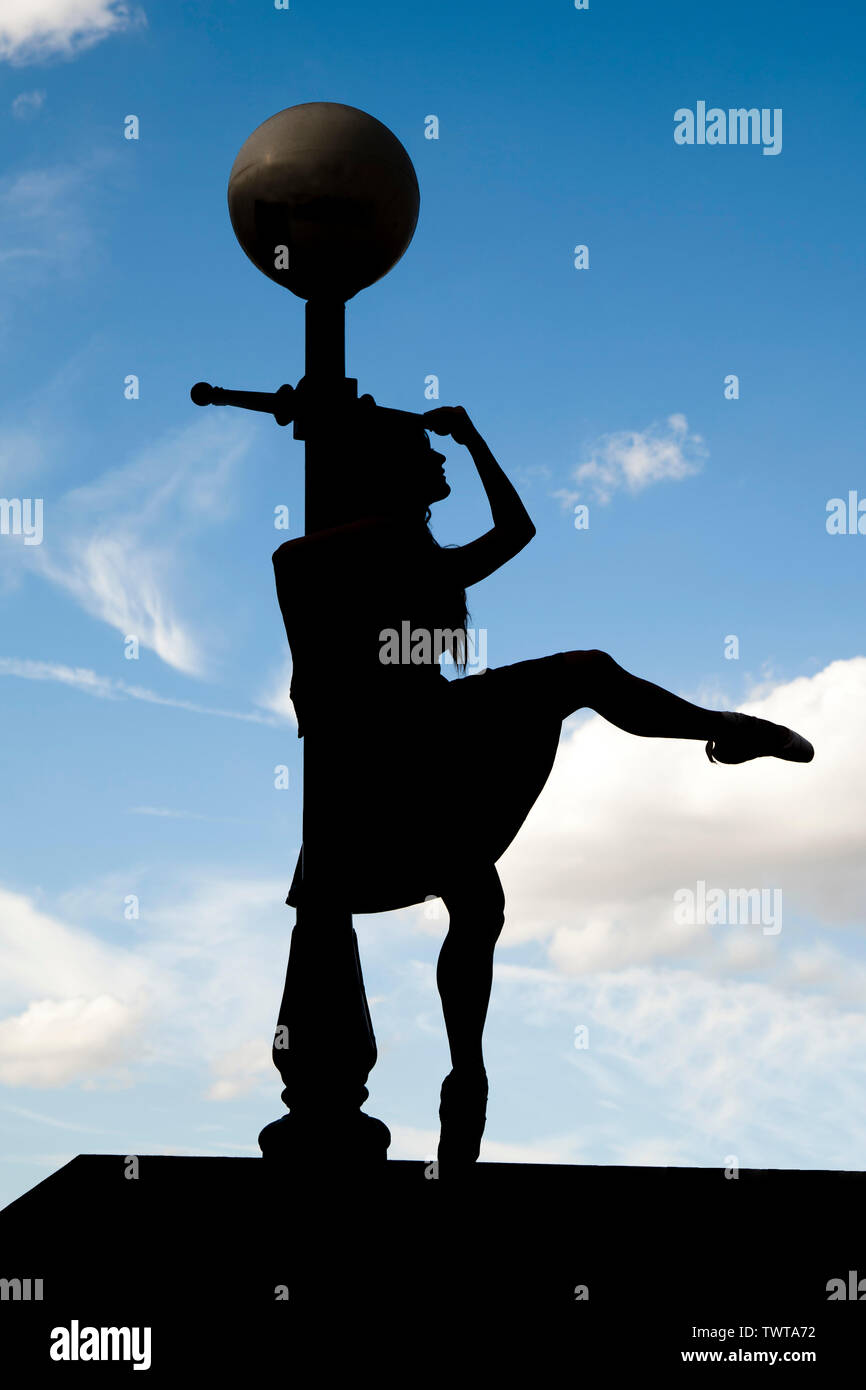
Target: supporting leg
x=464 y=975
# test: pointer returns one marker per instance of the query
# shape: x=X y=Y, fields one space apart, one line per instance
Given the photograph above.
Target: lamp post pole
x=324 y=200
x=324 y=1016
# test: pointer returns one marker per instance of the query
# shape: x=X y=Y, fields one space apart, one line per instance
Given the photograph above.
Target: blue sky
x=605 y=386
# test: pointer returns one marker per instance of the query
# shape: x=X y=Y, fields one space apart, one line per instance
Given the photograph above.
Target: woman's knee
x=478 y=901
x=594 y=669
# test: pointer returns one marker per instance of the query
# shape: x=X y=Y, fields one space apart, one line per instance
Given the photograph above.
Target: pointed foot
x=746 y=737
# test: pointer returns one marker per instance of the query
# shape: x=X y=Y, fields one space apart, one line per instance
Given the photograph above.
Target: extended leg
x=595 y=681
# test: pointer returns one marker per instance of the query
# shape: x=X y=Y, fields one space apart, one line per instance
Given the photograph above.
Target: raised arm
x=512 y=526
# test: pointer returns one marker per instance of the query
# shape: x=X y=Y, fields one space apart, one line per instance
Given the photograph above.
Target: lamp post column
x=324 y=1018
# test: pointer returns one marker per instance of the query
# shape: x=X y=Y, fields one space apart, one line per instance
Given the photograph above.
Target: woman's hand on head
x=450 y=419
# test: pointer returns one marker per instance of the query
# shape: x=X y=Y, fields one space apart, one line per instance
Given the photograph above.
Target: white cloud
x=421 y=1144
x=699 y=1068
x=41 y=957
x=166 y=813
x=23 y=455
x=624 y=822
x=198 y=980
x=703 y=1041
x=111 y=688
x=84 y=1000
x=241 y=1068
x=124 y=567
x=275 y=695
x=46 y=227
x=632 y=460
x=34 y=447
x=55 y=1041
x=28 y=104
x=117 y=580
x=33 y=31
x=51 y=1120
x=220 y=944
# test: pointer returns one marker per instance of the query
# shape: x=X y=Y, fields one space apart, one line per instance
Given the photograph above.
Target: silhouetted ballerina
x=434 y=777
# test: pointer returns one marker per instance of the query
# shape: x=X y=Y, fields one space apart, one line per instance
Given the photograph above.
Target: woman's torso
x=366 y=611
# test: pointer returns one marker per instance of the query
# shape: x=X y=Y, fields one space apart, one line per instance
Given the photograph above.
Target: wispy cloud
x=410 y=1143
x=50 y=1120
x=77 y=1007
x=28 y=104
x=702 y=1067
x=167 y=813
x=53 y=1041
x=45 y=220
x=125 y=568
x=275 y=695
x=631 y=460
x=625 y=822
x=111 y=688
x=240 y=1069
x=33 y=31
x=23 y=457
x=85 y=1000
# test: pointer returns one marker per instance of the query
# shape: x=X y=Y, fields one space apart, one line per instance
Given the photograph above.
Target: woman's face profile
x=411 y=472
x=431 y=467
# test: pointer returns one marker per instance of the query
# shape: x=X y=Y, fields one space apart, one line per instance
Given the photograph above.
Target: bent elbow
x=521 y=538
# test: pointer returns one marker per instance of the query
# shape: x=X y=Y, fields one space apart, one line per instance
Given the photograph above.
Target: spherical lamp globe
x=323 y=198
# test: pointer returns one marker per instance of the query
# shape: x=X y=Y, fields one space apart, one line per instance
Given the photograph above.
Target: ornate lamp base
x=317 y=1140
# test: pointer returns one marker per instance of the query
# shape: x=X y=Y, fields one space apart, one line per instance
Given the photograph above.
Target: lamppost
x=323 y=198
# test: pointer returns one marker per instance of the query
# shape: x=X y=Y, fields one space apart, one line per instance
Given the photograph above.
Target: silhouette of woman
x=430 y=779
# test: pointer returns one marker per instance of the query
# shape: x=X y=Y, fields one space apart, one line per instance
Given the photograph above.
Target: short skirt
x=412 y=801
